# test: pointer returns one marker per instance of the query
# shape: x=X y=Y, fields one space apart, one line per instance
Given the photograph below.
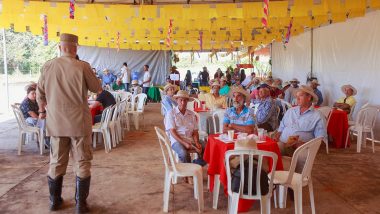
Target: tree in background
x=26 y=53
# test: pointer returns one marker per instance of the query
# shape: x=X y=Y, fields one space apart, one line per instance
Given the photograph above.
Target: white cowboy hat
x=309 y=90
x=237 y=89
x=294 y=80
x=135 y=82
x=351 y=87
x=169 y=85
x=183 y=94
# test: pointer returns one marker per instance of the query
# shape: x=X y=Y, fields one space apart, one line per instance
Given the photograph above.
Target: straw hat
x=183 y=94
x=135 y=82
x=106 y=70
x=294 y=80
x=309 y=90
x=169 y=85
x=215 y=83
x=351 y=87
x=30 y=84
x=237 y=89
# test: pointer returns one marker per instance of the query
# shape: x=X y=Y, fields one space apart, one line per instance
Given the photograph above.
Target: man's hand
x=276 y=136
x=42 y=116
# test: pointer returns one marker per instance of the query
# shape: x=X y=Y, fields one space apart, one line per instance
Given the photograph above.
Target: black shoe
x=81 y=193
x=55 y=189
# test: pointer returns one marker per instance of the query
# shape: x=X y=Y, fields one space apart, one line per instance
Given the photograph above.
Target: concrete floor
x=130 y=178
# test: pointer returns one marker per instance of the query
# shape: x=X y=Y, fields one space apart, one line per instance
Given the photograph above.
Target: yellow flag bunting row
x=192 y=27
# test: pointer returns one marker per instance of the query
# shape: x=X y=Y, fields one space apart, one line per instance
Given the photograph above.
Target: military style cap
x=69 y=38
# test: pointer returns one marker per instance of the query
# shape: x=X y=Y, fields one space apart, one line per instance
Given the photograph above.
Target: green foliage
x=26 y=53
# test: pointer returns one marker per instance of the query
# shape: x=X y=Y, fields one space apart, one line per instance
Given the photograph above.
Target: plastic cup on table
x=231 y=134
x=203 y=106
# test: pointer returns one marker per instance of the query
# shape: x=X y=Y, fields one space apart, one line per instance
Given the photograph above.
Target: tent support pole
x=311 y=51
x=5 y=68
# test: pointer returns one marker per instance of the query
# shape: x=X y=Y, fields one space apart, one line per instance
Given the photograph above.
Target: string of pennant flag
x=195 y=27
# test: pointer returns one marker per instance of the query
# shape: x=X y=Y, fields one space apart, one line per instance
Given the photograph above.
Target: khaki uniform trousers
x=81 y=153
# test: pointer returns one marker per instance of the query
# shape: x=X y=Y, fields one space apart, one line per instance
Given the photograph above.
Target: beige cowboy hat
x=309 y=90
x=169 y=85
x=351 y=87
x=106 y=71
x=286 y=83
x=237 y=89
x=215 y=83
x=183 y=94
x=30 y=84
x=135 y=82
x=315 y=82
x=294 y=80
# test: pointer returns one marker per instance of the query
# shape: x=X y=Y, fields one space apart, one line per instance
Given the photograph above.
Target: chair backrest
x=251 y=154
x=167 y=153
x=104 y=116
x=308 y=150
x=19 y=116
x=108 y=116
x=285 y=105
x=351 y=111
x=190 y=105
x=198 y=102
x=141 y=98
x=326 y=111
x=199 y=121
x=367 y=117
x=218 y=115
x=115 y=114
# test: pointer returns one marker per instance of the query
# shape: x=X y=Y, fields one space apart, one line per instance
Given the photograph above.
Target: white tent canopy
x=343 y=53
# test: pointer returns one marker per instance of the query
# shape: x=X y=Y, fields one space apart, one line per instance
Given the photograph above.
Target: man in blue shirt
x=301 y=123
x=239 y=118
x=314 y=84
x=266 y=109
x=108 y=78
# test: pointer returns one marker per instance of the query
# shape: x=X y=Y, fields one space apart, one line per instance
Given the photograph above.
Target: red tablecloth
x=201 y=110
x=337 y=128
x=95 y=111
x=214 y=156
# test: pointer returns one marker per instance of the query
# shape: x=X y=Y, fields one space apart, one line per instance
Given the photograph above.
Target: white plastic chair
x=174 y=170
x=202 y=133
x=302 y=178
x=218 y=115
x=326 y=111
x=24 y=128
x=233 y=197
x=285 y=105
x=141 y=98
x=351 y=112
x=113 y=125
x=352 y=122
x=364 y=123
x=103 y=128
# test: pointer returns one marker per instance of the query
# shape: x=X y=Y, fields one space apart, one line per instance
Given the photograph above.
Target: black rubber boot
x=81 y=193
x=55 y=189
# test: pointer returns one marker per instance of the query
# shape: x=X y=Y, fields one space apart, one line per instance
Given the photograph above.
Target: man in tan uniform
x=62 y=98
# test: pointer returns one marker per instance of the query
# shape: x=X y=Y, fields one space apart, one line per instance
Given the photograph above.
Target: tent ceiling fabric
x=212 y=26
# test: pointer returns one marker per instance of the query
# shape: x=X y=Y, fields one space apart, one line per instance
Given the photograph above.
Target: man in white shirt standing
x=126 y=78
x=146 y=79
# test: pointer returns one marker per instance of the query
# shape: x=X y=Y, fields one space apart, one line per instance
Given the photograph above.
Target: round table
x=338 y=127
x=214 y=156
x=95 y=111
x=154 y=94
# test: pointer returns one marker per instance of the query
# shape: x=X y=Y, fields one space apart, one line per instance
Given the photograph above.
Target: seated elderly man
x=135 y=89
x=314 y=85
x=301 y=123
x=347 y=102
x=182 y=126
x=266 y=109
x=168 y=103
x=239 y=117
x=213 y=99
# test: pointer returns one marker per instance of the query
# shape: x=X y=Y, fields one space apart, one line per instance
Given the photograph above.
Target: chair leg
x=359 y=141
x=215 y=192
x=311 y=191
x=94 y=140
x=373 y=141
x=265 y=204
x=20 y=138
x=298 y=199
x=167 y=191
x=282 y=195
x=199 y=179
x=275 y=197
x=348 y=134
x=234 y=203
x=364 y=139
x=327 y=147
x=41 y=140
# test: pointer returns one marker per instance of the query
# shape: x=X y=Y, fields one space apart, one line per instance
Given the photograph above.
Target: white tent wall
x=343 y=53
x=111 y=59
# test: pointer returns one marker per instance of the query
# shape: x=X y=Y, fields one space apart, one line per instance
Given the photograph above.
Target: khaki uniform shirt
x=63 y=85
